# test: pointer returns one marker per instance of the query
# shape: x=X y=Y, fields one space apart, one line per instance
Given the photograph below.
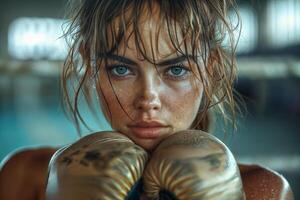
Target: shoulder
x=26 y=157
x=263 y=183
x=24 y=171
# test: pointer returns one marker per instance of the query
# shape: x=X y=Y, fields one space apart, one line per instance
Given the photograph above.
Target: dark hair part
x=97 y=27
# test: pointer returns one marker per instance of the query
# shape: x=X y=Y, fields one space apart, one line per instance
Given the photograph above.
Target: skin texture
x=147 y=93
x=25 y=174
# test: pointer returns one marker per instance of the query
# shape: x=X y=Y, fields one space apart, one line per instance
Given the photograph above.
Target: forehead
x=152 y=36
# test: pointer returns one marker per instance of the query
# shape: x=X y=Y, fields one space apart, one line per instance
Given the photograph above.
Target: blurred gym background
x=31 y=56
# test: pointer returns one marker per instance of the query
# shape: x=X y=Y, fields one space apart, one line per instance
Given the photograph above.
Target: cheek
x=112 y=98
x=183 y=102
x=104 y=99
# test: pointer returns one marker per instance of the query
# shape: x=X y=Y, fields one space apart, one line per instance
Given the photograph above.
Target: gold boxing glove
x=192 y=165
x=105 y=165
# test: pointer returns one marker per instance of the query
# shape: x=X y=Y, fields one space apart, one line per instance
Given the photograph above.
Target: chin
x=148 y=145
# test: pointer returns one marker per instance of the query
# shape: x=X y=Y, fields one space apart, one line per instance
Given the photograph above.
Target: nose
x=148 y=94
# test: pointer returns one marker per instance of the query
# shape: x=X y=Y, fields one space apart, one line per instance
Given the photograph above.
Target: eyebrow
x=128 y=61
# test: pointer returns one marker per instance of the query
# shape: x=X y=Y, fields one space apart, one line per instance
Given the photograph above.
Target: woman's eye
x=177 y=71
x=119 y=70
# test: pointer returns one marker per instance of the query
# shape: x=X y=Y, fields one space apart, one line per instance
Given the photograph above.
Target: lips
x=148 y=129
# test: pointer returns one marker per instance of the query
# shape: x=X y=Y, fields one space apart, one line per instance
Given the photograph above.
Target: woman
x=158 y=67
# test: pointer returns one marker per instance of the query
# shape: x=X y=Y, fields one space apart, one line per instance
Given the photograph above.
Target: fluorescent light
x=36 y=38
x=283 y=22
x=247 y=32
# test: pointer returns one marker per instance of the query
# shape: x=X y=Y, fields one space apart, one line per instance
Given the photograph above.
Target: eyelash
x=174 y=77
x=112 y=67
x=181 y=66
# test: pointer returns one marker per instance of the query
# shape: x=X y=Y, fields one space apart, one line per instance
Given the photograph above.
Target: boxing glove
x=105 y=165
x=192 y=165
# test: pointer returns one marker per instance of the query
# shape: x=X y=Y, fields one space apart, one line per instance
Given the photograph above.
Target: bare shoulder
x=26 y=158
x=263 y=183
x=24 y=172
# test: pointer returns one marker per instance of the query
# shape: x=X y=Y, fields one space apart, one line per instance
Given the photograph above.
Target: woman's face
x=146 y=103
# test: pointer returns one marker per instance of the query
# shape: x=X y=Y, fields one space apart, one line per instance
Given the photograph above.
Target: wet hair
x=98 y=27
